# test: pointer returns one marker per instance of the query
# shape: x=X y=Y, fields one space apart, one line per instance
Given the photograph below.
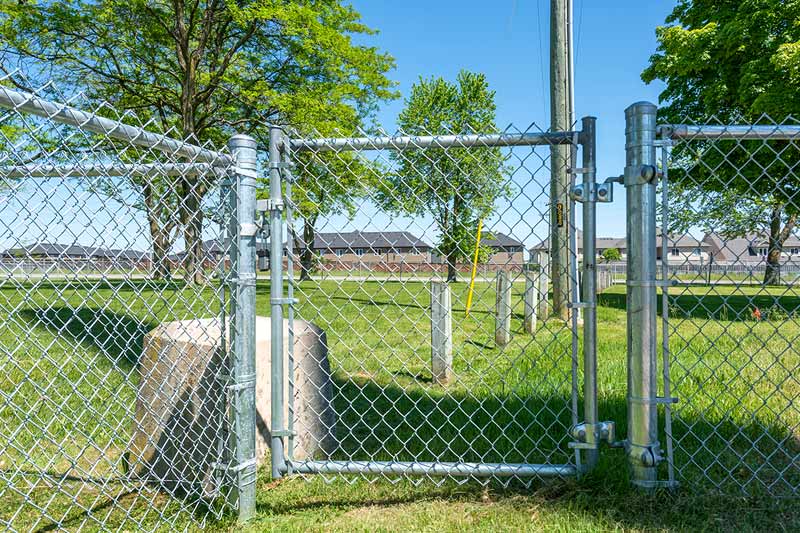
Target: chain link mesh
x=113 y=361
x=364 y=268
x=731 y=250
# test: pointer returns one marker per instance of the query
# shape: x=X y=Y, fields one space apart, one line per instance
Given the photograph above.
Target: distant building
x=680 y=248
x=372 y=247
x=505 y=250
x=748 y=249
x=44 y=251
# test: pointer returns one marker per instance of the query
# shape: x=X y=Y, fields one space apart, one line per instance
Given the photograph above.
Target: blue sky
x=508 y=40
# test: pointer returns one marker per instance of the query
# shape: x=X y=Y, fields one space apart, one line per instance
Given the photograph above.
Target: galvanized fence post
x=589 y=143
x=277 y=371
x=243 y=371
x=640 y=182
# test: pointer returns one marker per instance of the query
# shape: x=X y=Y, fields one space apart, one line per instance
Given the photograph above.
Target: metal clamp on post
x=581 y=305
x=283 y=301
x=603 y=432
x=269 y=205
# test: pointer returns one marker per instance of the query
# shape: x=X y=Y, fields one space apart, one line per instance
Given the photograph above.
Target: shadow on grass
x=731 y=307
x=172 y=448
x=379 y=420
x=117 y=336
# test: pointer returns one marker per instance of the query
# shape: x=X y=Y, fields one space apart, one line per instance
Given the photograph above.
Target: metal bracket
x=283 y=301
x=269 y=205
x=603 y=432
x=282 y=433
x=581 y=170
x=249 y=230
x=649 y=456
x=581 y=305
x=249 y=173
x=578 y=193
x=277 y=165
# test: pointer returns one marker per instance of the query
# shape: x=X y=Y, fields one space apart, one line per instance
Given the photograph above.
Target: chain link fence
x=731 y=328
x=117 y=336
x=425 y=373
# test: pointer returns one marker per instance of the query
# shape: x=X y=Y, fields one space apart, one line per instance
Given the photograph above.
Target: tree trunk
x=772 y=274
x=778 y=233
x=452 y=271
x=193 y=235
x=159 y=234
x=307 y=252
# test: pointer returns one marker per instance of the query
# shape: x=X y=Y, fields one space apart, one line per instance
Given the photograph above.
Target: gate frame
x=587 y=434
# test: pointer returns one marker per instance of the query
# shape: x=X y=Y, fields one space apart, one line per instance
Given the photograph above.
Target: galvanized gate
x=423 y=377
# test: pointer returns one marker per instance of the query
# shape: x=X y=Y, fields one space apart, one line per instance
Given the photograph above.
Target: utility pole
x=561 y=119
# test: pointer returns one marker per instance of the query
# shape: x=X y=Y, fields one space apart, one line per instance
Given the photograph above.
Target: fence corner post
x=643 y=448
x=243 y=365
x=502 y=330
x=441 y=333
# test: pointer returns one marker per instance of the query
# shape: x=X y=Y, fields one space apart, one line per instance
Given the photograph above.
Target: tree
x=456 y=186
x=204 y=70
x=734 y=60
x=611 y=254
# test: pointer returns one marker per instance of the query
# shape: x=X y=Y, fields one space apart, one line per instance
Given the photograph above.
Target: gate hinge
x=603 y=432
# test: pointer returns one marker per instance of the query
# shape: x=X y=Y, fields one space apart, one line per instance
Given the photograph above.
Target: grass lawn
x=79 y=343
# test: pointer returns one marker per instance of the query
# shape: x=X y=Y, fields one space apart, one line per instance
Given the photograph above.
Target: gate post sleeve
x=243 y=371
x=642 y=445
x=277 y=372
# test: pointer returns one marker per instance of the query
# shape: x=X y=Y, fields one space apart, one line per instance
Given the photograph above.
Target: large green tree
x=456 y=186
x=203 y=69
x=733 y=61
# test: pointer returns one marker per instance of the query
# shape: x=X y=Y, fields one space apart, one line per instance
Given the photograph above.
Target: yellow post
x=474 y=268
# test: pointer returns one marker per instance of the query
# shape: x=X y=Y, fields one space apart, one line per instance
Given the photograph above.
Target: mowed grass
x=68 y=384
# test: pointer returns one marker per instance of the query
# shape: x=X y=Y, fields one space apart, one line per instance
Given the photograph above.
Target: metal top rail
x=733 y=132
x=93 y=170
x=402 y=142
x=64 y=114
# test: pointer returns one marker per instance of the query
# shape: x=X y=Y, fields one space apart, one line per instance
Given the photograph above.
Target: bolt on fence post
x=277 y=425
x=243 y=149
x=502 y=330
x=441 y=333
x=589 y=147
x=640 y=183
